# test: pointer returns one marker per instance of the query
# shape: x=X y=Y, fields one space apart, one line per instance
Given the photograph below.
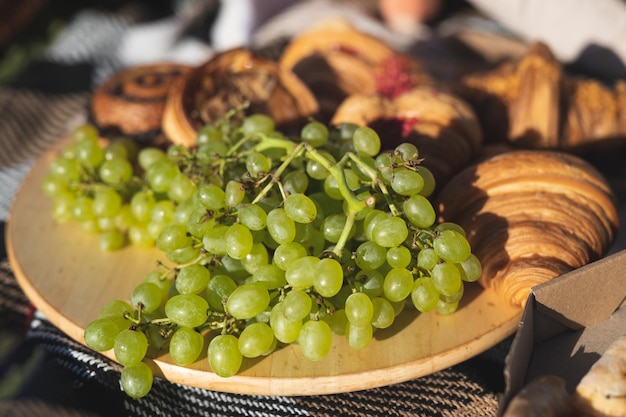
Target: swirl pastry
x=443 y=127
x=233 y=79
x=531 y=216
x=335 y=60
x=132 y=101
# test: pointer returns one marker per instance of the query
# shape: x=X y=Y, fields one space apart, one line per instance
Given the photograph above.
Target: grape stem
x=376 y=181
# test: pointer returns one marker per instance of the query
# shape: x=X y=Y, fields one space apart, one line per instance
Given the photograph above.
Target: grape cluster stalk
x=273 y=240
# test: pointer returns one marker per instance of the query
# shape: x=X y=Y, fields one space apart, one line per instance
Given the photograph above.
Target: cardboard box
x=567 y=324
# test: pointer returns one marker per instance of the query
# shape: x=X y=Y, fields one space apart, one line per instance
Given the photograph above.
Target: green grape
x=269 y=275
x=366 y=141
x=121 y=147
x=257 y=123
x=454 y=298
x=316 y=243
x=238 y=241
x=106 y=202
x=256 y=339
x=447 y=278
x=315 y=339
x=406 y=151
x=141 y=205
x=100 y=334
x=211 y=196
x=383 y=314
x=333 y=226
x=82 y=209
x=384 y=163
x=115 y=171
x=390 y=232
x=258 y=164
x=360 y=170
x=192 y=279
x=162 y=213
x=450 y=226
x=337 y=321
x=188 y=310
x=208 y=134
x=300 y=208
x=427 y=259
x=214 y=240
x=53 y=186
x=62 y=207
x=111 y=240
x=288 y=252
x=139 y=236
x=125 y=218
x=285 y=330
x=186 y=346
x=451 y=246
x=211 y=151
x=115 y=309
x=370 y=221
x=161 y=174
x=85 y=131
x=398 y=284
x=224 y=355
x=89 y=153
x=106 y=223
x=234 y=193
x=424 y=295
x=257 y=257
x=339 y=299
x=90 y=226
x=315 y=134
x=370 y=255
x=65 y=169
x=183 y=210
x=359 y=337
x=183 y=255
x=301 y=272
x=181 y=188
x=295 y=182
x=218 y=289
x=149 y=155
x=173 y=236
x=297 y=305
x=316 y=170
x=147 y=295
x=399 y=257
x=470 y=268
x=371 y=282
x=136 y=380
x=248 y=300
x=252 y=216
x=419 y=211
x=201 y=222
x=359 y=309
x=280 y=226
x=429 y=181
x=328 y=278
x=406 y=182
x=233 y=268
x=130 y=347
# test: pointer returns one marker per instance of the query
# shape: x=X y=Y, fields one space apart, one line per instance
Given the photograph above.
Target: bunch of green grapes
x=273 y=241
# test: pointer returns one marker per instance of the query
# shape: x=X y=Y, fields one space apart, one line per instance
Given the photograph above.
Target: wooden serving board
x=63 y=272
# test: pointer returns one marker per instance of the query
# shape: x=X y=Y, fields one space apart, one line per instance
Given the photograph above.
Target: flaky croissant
x=531 y=216
x=232 y=79
x=533 y=103
x=443 y=127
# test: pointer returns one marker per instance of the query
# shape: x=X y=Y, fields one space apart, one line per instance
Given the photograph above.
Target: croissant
x=132 y=100
x=533 y=103
x=231 y=79
x=531 y=215
x=443 y=127
x=336 y=60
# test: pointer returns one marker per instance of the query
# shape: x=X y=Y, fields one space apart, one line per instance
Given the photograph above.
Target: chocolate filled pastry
x=533 y=103
x=335 y=60
x=443 y=127
x=132 y=101
x=232 y=79
x=531 y=216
